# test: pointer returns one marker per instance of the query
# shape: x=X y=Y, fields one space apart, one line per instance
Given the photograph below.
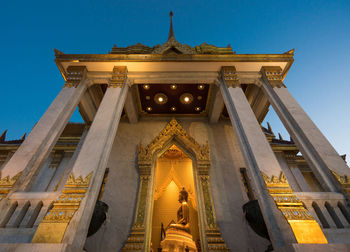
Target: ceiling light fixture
x=146 y=87
x=160 y=98
x=186 y=98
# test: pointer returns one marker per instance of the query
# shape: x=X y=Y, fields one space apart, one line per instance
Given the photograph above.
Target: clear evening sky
x=318 y=30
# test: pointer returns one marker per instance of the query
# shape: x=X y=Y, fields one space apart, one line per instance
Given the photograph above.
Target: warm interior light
x=173 y=108
x=160 y=99
x=146 y=87
x=186 y=99
x=173 y=86
x=149 y=108
x=198 y=108
x=200 y=87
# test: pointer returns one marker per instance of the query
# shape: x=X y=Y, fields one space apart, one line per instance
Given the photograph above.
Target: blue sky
x=318 y=30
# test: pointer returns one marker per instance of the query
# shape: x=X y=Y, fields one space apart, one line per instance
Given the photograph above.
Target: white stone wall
x=226 y=184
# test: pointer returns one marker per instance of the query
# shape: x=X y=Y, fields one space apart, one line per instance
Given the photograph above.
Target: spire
x=171 y=30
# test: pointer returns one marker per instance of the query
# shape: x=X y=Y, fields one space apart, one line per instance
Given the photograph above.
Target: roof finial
x=171 y=30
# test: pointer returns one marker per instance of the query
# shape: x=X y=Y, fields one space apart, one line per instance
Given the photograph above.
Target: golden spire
x=171 y=30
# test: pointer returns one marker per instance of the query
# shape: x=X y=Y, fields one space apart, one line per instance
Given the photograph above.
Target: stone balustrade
x=23 y=215
x=331 y=212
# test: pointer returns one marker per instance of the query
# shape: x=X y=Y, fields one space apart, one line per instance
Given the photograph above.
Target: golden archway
x=140 y=237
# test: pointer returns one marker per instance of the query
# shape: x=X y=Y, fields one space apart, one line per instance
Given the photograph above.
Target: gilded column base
x=135 y=240
x=215 y=241
x=304 y=226
x=54 y=225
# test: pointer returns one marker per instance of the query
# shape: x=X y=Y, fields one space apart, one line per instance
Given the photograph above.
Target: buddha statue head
x=183 y=195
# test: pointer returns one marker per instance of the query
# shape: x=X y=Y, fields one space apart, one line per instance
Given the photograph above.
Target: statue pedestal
x=177 y=240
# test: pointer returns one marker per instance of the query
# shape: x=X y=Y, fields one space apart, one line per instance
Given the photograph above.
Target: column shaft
x=39 y=143
x=316 y=149
x=258 y=156
x=93 y=158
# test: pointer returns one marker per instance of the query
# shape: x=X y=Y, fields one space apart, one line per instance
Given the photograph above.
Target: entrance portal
x=174 y=171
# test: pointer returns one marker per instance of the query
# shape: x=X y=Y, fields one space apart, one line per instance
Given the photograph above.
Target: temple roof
x=172 y=46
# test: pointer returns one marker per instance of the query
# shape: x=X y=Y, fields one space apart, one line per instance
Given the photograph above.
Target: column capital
x=229 y=76
x=119 y=75
x=272 y=75
x=75 y=74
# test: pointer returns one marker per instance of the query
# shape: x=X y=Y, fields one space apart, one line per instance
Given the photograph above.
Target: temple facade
x=173 y=157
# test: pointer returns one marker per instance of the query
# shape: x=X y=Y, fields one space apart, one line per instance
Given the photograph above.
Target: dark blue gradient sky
x=318 y=30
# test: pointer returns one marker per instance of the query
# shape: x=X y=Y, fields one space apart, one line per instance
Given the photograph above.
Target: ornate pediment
x=172 y=47
x=173 y=44
x=171 y=131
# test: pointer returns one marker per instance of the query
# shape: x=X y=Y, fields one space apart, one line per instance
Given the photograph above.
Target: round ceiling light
x=198 y=108
x=173 y=109
x=149 y=109
x=146 y=87
x=200 y=86
x=186 y=98
x=160 y=98
x=173 y=86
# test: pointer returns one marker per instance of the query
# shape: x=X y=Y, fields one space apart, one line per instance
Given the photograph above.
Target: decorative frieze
x=119 y=76
x=273 y=74
x=304 y=226
x=229 y=76
x=171 y=130
x=54 y=225
x=211 y=223
x=74 y=76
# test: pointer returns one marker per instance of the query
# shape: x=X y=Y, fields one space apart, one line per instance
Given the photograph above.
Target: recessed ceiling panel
x=158 y=99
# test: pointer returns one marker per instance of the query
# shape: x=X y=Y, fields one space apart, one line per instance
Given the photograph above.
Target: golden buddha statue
x=183 y=213
x=178 y=237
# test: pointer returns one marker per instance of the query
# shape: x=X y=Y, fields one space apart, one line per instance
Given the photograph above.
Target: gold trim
x=274 y=75
x=7 y=183
x=304 y=226
x=54 y=225
x=74 y=76
x=118 y=76
x=229 y=76
x=344 y=181
x=173 y=129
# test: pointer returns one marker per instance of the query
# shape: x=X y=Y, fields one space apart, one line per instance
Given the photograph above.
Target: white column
x=93 y=158
x=258 y=156
x=39 y=143
x=316 y=149
x=300 y=178
x=217 y=105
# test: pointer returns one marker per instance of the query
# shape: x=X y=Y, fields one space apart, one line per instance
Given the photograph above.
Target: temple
x=173 y=156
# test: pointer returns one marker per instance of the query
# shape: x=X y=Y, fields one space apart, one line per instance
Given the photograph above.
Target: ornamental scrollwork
x=173 y=129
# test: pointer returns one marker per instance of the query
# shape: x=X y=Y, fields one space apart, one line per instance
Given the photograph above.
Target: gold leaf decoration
x=304 y=226
x=54 y=225
x=172 y=130
x=118 y=76
x=7 y=183
x=229 y=76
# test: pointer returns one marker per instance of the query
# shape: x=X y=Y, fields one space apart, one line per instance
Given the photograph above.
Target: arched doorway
x=174 y=171
x=141 y=233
